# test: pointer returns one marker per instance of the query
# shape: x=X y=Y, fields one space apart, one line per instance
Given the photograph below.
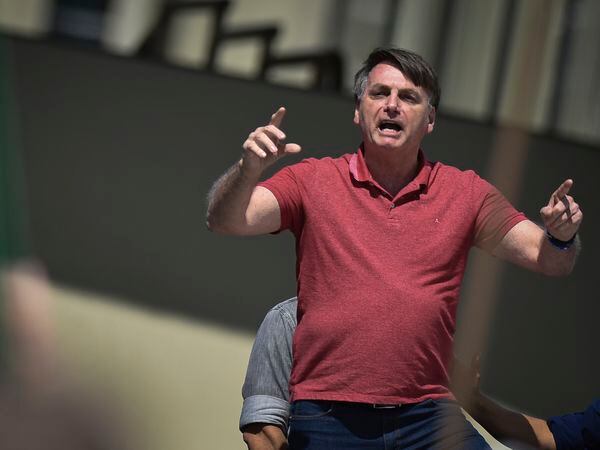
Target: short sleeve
x=495 y=218
x=567 y=430
x=266 y=386
x=580 y=430
x=289 y=186
x=591 y=425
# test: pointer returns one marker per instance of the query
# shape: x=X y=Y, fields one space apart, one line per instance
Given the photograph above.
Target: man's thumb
x=292 y=148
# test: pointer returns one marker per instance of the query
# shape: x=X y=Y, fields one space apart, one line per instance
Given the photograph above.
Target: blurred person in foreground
x=265 y=411
x=574 y=431
x=40 y=408
x=382 y=240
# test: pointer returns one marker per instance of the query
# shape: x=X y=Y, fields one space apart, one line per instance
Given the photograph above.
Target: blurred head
x=40 y=408
x=27 y=313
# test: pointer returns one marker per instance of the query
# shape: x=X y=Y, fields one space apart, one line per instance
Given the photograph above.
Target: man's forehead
x=386 y=74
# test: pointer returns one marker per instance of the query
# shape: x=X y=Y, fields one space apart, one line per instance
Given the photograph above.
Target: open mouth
x=389 y=127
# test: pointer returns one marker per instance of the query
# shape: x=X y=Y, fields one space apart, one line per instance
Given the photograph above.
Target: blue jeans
x=326 y=425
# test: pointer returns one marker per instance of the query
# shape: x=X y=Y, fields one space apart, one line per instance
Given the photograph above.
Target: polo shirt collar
x=360 y=172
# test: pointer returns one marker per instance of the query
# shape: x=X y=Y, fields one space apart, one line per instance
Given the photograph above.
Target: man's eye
x=378 y=94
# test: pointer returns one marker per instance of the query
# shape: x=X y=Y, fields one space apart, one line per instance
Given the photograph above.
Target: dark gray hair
x=412 y=66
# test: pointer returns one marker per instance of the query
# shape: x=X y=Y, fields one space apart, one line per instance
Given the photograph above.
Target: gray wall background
x=119 y=155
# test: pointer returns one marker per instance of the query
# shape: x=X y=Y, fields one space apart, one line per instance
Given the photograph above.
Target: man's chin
x=389 y=142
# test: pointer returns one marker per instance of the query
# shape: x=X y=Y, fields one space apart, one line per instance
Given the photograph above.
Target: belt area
x=382 y=406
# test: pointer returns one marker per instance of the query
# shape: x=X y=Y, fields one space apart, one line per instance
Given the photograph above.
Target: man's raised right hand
x=266 y=144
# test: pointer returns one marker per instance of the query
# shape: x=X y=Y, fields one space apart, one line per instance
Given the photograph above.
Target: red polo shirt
x=379 y=276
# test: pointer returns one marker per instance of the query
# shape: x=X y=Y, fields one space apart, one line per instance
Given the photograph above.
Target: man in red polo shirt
x=382 y=238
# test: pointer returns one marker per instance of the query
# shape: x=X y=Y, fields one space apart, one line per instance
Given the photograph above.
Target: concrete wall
x=119 y=155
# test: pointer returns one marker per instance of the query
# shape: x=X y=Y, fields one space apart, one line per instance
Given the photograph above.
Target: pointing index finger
x=277 y=117
x=561 y=192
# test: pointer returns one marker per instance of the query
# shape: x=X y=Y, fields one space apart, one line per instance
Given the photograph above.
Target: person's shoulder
x=592 y=414
x=456 y=177
x=449 y=181
x=312 y=165
x=592 y=424
x=315 y=170
x=453 y=171
x=286 y=309
x=286 y=306
x=328 y=161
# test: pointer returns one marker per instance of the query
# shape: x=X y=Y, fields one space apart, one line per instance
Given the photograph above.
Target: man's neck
x=392 y=170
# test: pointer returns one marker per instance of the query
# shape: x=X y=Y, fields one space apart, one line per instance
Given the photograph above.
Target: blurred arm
x=506 y=425
x=510 y=427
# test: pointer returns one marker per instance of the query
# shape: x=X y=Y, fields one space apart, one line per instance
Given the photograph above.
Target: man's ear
x=356 y=119
x=431 y=119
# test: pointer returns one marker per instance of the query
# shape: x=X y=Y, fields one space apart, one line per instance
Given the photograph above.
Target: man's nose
x=392 y=104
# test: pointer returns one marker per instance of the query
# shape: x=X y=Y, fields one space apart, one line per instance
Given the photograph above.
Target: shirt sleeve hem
x=278 y=196
x=265 y=409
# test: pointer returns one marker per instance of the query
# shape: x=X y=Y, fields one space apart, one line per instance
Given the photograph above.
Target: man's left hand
x=562 y=216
